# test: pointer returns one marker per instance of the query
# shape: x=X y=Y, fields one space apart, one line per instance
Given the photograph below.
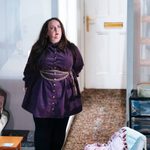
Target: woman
x=52 y=91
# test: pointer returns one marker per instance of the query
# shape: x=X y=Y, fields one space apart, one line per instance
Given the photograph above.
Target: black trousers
x=50 y=133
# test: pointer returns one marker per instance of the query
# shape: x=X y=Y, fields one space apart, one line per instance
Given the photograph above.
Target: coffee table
x=10 y=142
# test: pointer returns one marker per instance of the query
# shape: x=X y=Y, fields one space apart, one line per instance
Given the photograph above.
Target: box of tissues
x=143 y=90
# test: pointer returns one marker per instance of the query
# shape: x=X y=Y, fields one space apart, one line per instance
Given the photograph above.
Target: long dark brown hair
x=41 y=44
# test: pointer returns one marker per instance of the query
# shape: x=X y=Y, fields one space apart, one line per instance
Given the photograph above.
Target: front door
x=105 y=44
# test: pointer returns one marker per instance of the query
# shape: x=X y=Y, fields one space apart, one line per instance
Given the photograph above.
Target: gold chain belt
x=54 y=75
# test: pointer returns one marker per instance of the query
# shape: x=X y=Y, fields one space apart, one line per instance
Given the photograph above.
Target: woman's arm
x=77 y=62
x=30 y=75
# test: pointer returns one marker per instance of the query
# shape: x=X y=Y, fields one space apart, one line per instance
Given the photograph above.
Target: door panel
x=105 y=48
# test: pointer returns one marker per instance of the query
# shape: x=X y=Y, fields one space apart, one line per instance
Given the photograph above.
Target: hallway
x=103 y=114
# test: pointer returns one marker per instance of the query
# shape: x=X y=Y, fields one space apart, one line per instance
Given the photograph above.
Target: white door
x=105 y=44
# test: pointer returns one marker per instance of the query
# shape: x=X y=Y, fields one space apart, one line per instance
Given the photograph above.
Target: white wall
x=20 y=25
x=130 y=49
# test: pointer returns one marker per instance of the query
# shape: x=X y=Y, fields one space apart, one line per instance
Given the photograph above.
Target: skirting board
x=69 y=125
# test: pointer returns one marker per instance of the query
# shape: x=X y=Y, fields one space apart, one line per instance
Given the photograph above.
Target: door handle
x=87 y=23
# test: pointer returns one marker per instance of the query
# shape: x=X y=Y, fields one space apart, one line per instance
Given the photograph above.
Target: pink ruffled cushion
x=116 y=142
x=96 y=146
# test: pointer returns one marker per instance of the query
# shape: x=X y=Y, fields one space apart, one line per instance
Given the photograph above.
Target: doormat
x=28 y=136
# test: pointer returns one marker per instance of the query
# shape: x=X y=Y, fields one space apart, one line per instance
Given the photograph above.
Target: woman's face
x=54 y=31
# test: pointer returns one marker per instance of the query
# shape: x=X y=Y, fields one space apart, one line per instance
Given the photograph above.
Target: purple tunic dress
x=46 y=98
